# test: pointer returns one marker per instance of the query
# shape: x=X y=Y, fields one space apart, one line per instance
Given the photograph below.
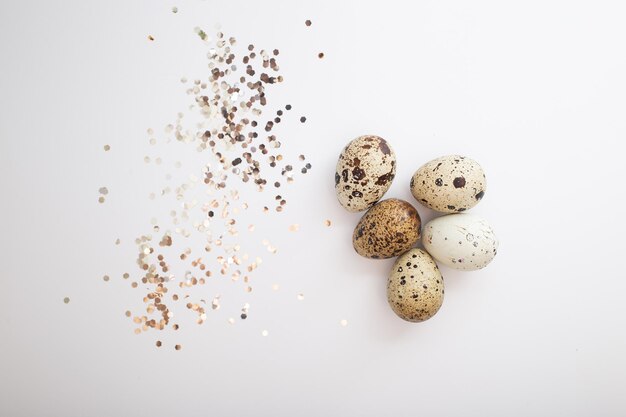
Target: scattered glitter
x=107 y=148
x=66 y=300
x=344 y=322
x=308 y=22
x=178 y=347
x=294 y=227
x=327 y=223
x=300 y=297
x=265 y=333
x=242 y=144
x=105 y=278
x=150 y=37
x=320 y=55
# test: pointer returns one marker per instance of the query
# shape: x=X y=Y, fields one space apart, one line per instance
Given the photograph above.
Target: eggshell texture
x=450 y=184
x=415 y=286
x=461 y=241
x=365 y=170
x=389 y=228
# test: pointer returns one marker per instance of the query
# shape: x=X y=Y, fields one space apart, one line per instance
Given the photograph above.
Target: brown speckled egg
x=389 y=228
x=450 y=184
x=365 y=170
x=415 y=286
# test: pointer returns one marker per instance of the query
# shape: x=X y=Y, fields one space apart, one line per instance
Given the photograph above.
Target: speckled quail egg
x=450 y=184
x=389 y=228
x=461 y=241
x=365 y=170
x=415 y=286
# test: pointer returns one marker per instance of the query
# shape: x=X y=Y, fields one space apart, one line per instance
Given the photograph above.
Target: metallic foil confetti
x=107 y=148
x=150 y=37
x=327 y=223
x=236 y=126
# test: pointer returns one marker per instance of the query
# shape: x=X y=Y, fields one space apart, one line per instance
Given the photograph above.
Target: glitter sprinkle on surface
x=233 y=122
x=307 y=22
x=107 y=148
x=66 y=300
x=327 y=223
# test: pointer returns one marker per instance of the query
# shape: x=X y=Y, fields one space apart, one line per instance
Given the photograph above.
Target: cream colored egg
x=365 y=170
x=461 y=241
x=415 y=286
x=450 y=184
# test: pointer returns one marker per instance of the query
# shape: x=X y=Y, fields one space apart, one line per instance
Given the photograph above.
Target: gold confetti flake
x=150 y=37
x=107 y=148
x=105 y=278
x=66 y=300
x=127 y=313
x=101 y=200
x=294 y=227
x=327 y=223
x=178 y=347
x=126 y=275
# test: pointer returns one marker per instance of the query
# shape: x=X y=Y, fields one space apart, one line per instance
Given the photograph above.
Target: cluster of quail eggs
x=452 y=185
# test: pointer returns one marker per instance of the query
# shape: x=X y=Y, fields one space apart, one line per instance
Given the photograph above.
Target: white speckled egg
x=365 y=170
x=450 y=184
x=415 y=286
x=460 y=241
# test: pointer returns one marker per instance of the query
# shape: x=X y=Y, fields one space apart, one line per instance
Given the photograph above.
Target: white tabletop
x=532 y=90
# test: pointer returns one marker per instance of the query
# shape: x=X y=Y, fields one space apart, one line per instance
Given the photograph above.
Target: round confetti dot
x=327 y=223
x=178 y=347
x=105 y=278
x=320 y=55
x=158 y=343
x=107 y=148
x=66 y=300
x=308 y=22
x=344 y=323
x=302 y=119
x=265 y=333
x=300 y=297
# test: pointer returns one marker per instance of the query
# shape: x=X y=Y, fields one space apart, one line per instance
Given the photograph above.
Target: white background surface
x=533 y=90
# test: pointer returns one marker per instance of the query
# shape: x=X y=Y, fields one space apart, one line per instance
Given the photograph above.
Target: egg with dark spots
x=461 y=241
x=450 y=184
x=388 y=229
x=365 y=171
x=415 y=286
